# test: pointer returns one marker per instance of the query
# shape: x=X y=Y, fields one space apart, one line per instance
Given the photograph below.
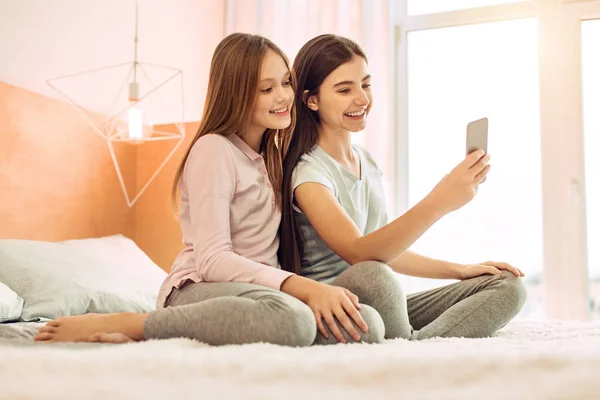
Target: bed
x=525 y=360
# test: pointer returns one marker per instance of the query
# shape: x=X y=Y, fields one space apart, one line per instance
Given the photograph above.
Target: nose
x=361 y=99
x=281 y=95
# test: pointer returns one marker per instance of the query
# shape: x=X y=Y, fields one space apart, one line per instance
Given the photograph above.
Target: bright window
x=457 y=75
x=591 y=117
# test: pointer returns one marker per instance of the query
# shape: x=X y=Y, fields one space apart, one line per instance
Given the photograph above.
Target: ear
x=312 y=102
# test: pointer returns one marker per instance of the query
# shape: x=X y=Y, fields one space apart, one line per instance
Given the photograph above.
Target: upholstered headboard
x=58 y=182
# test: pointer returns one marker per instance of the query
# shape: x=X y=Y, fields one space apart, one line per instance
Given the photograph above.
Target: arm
x=340 y=233
x=210 y=175
x=385 y=244
x=413 y=264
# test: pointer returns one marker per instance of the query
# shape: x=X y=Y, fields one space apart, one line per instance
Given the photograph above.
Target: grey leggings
x=472 y=308
x=239 y=313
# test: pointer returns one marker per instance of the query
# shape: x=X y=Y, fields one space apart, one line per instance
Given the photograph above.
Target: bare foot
x=81 y=327
x=115 y=338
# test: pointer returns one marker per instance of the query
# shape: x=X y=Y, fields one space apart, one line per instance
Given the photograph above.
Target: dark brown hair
x=232 y=90
x=318 y=58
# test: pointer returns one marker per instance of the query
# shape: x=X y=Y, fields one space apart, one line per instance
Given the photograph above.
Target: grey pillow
x=101 y=275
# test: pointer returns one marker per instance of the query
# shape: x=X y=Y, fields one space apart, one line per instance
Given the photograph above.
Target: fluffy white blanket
x=525 y=360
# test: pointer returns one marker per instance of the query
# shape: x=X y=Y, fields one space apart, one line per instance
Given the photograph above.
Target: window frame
x=565 y=273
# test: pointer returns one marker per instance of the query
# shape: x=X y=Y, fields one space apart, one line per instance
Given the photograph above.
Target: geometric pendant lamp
x=129 y=102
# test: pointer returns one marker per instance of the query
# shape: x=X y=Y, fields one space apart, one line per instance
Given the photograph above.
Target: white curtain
x=291 y=23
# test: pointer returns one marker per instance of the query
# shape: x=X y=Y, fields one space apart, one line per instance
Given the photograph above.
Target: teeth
x=356 y=114
x=280 y=111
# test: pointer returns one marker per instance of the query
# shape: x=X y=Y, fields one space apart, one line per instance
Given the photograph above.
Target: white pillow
x=100 y=275
x=123 y=257
x=11 y=305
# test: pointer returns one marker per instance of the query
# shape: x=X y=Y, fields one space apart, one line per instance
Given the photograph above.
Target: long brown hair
x=232 y=90
x=318 y=58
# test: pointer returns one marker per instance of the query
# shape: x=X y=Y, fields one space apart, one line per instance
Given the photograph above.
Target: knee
x=376 y=332
x=369 y=274
x=303 y=327
x=372 y=270
x=514 y=291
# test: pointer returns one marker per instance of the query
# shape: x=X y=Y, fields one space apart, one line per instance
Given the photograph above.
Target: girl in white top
x=334 y=226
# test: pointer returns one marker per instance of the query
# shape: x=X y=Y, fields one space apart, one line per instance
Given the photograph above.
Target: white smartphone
x=477 y=135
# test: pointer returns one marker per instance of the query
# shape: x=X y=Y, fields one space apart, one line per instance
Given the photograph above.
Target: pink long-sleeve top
x=228 y=217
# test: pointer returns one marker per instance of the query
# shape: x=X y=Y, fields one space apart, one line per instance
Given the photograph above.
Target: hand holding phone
x=477 y=136
x=460 y=186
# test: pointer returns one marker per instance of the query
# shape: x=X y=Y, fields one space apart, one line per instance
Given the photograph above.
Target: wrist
x=298 y=287
x=456 y=271
x=432 y=207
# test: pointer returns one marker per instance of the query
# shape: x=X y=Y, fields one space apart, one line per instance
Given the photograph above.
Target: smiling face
x=275 y=94
x=344 y=99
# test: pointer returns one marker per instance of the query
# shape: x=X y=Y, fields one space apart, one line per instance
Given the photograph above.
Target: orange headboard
x=58 y=182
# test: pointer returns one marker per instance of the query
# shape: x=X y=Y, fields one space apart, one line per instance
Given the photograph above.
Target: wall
x=45 y=39
x=156 y=228
x=57 y=180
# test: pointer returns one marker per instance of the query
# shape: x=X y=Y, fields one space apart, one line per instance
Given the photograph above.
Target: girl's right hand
x=329 y=303
x=460 y=186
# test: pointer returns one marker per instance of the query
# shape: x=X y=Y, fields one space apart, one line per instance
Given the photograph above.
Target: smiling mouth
x=357 y=113
x=281 y=110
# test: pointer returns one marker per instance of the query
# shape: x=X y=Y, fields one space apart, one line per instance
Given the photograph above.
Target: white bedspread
x=526 y=360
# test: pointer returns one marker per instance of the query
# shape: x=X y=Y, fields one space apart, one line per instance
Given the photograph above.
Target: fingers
x=320 y=326
x=477 y=165
x=515 y=271
x=473 y=158
x=480 y=165
x=355 y=315
x=353 y=298
x=480 y=177
x=512 y=269
x=493 y=270
x=505 y=266
x=330 y=321
x=338 y=313
x=347 y=324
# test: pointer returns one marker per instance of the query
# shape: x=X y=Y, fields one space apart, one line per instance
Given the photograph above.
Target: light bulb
x=136 y=120
x=138 y=127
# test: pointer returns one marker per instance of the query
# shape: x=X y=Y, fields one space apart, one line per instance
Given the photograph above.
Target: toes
x=48 y=329
x=55 y=323
x=96 y=337
x=43 y=336
x=114 y=338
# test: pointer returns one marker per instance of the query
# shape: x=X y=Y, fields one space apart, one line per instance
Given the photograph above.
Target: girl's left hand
x=488 y=267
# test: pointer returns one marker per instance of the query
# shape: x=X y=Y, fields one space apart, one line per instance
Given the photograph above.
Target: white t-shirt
x=362 y=199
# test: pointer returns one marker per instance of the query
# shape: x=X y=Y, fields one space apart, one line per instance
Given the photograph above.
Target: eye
x=287 y=83
x=266 y=90
x=366 y=85
x=344 y=91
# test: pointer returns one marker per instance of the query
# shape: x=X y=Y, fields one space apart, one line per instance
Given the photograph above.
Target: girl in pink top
x=226 y=286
